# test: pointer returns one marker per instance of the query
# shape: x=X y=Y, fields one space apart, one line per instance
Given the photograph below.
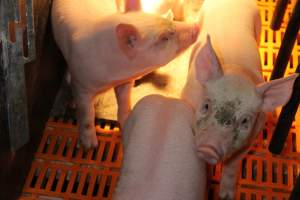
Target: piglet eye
x=164 y=39
x=167 y=36
x=206 y=107
x=245 y=122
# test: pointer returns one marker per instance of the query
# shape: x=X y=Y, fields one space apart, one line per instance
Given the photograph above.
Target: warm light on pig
x=107 y=49
x=151 y=6
x=225 y=86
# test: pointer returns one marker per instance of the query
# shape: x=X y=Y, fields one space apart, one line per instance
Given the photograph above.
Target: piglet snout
x=210 y=154
x=187 y=35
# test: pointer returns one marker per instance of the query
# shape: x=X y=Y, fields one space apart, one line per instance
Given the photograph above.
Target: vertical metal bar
x=30 y=32
x=278 y=14
x=286 y=119
x=295 y=194
x=288 y=42
x=289 y=110
x=13 y=103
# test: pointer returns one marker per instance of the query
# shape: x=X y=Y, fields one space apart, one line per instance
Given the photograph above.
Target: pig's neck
x=251 y=74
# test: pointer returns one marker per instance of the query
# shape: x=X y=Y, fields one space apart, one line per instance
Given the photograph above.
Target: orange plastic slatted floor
x=62 y=170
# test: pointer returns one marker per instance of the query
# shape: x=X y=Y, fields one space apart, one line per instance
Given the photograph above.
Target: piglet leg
x=86 y=119
x=229 y=178
x=230 y=175
x=123 y=100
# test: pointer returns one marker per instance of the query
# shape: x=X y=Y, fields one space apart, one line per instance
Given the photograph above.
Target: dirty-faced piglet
x=108 y=49
x=226 y=88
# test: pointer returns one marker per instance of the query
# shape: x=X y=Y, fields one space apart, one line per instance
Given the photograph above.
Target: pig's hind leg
x=86 y=119
x=123 y=99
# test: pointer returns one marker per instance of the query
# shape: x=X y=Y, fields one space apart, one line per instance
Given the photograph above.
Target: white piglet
x=107 y=49
x=226 y=88
x=160 y=162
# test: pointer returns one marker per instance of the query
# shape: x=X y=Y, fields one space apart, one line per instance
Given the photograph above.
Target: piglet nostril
x=209 y=153
x=208 y=157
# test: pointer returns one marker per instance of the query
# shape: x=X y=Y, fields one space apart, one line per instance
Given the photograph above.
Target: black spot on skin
x=225 y=114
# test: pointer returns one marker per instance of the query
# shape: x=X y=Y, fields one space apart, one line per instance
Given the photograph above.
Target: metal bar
x=13 y=102
x=30 y=32
x=295 y=194
x=288 y=42
x=286 y=119
x=278 y=14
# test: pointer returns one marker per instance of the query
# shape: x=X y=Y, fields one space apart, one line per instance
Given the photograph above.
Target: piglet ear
x=276 y=93
x=132 y=5
x=206 y=63
x=128 y=38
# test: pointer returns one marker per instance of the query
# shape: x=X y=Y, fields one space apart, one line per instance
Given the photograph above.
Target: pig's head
x=227 y=105
x=152 y=40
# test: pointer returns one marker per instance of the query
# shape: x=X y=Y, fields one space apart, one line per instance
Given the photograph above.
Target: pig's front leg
x=123 y=99
x=229 y=179
x=228 y=182
x=86 y=119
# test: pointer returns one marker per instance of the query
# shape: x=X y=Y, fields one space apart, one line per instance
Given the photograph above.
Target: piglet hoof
x=227 y=189
x=88 y=140
x=226 y=198
x=226 y=194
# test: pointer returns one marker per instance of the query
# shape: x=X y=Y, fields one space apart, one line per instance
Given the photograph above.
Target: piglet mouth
x=209 y=153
